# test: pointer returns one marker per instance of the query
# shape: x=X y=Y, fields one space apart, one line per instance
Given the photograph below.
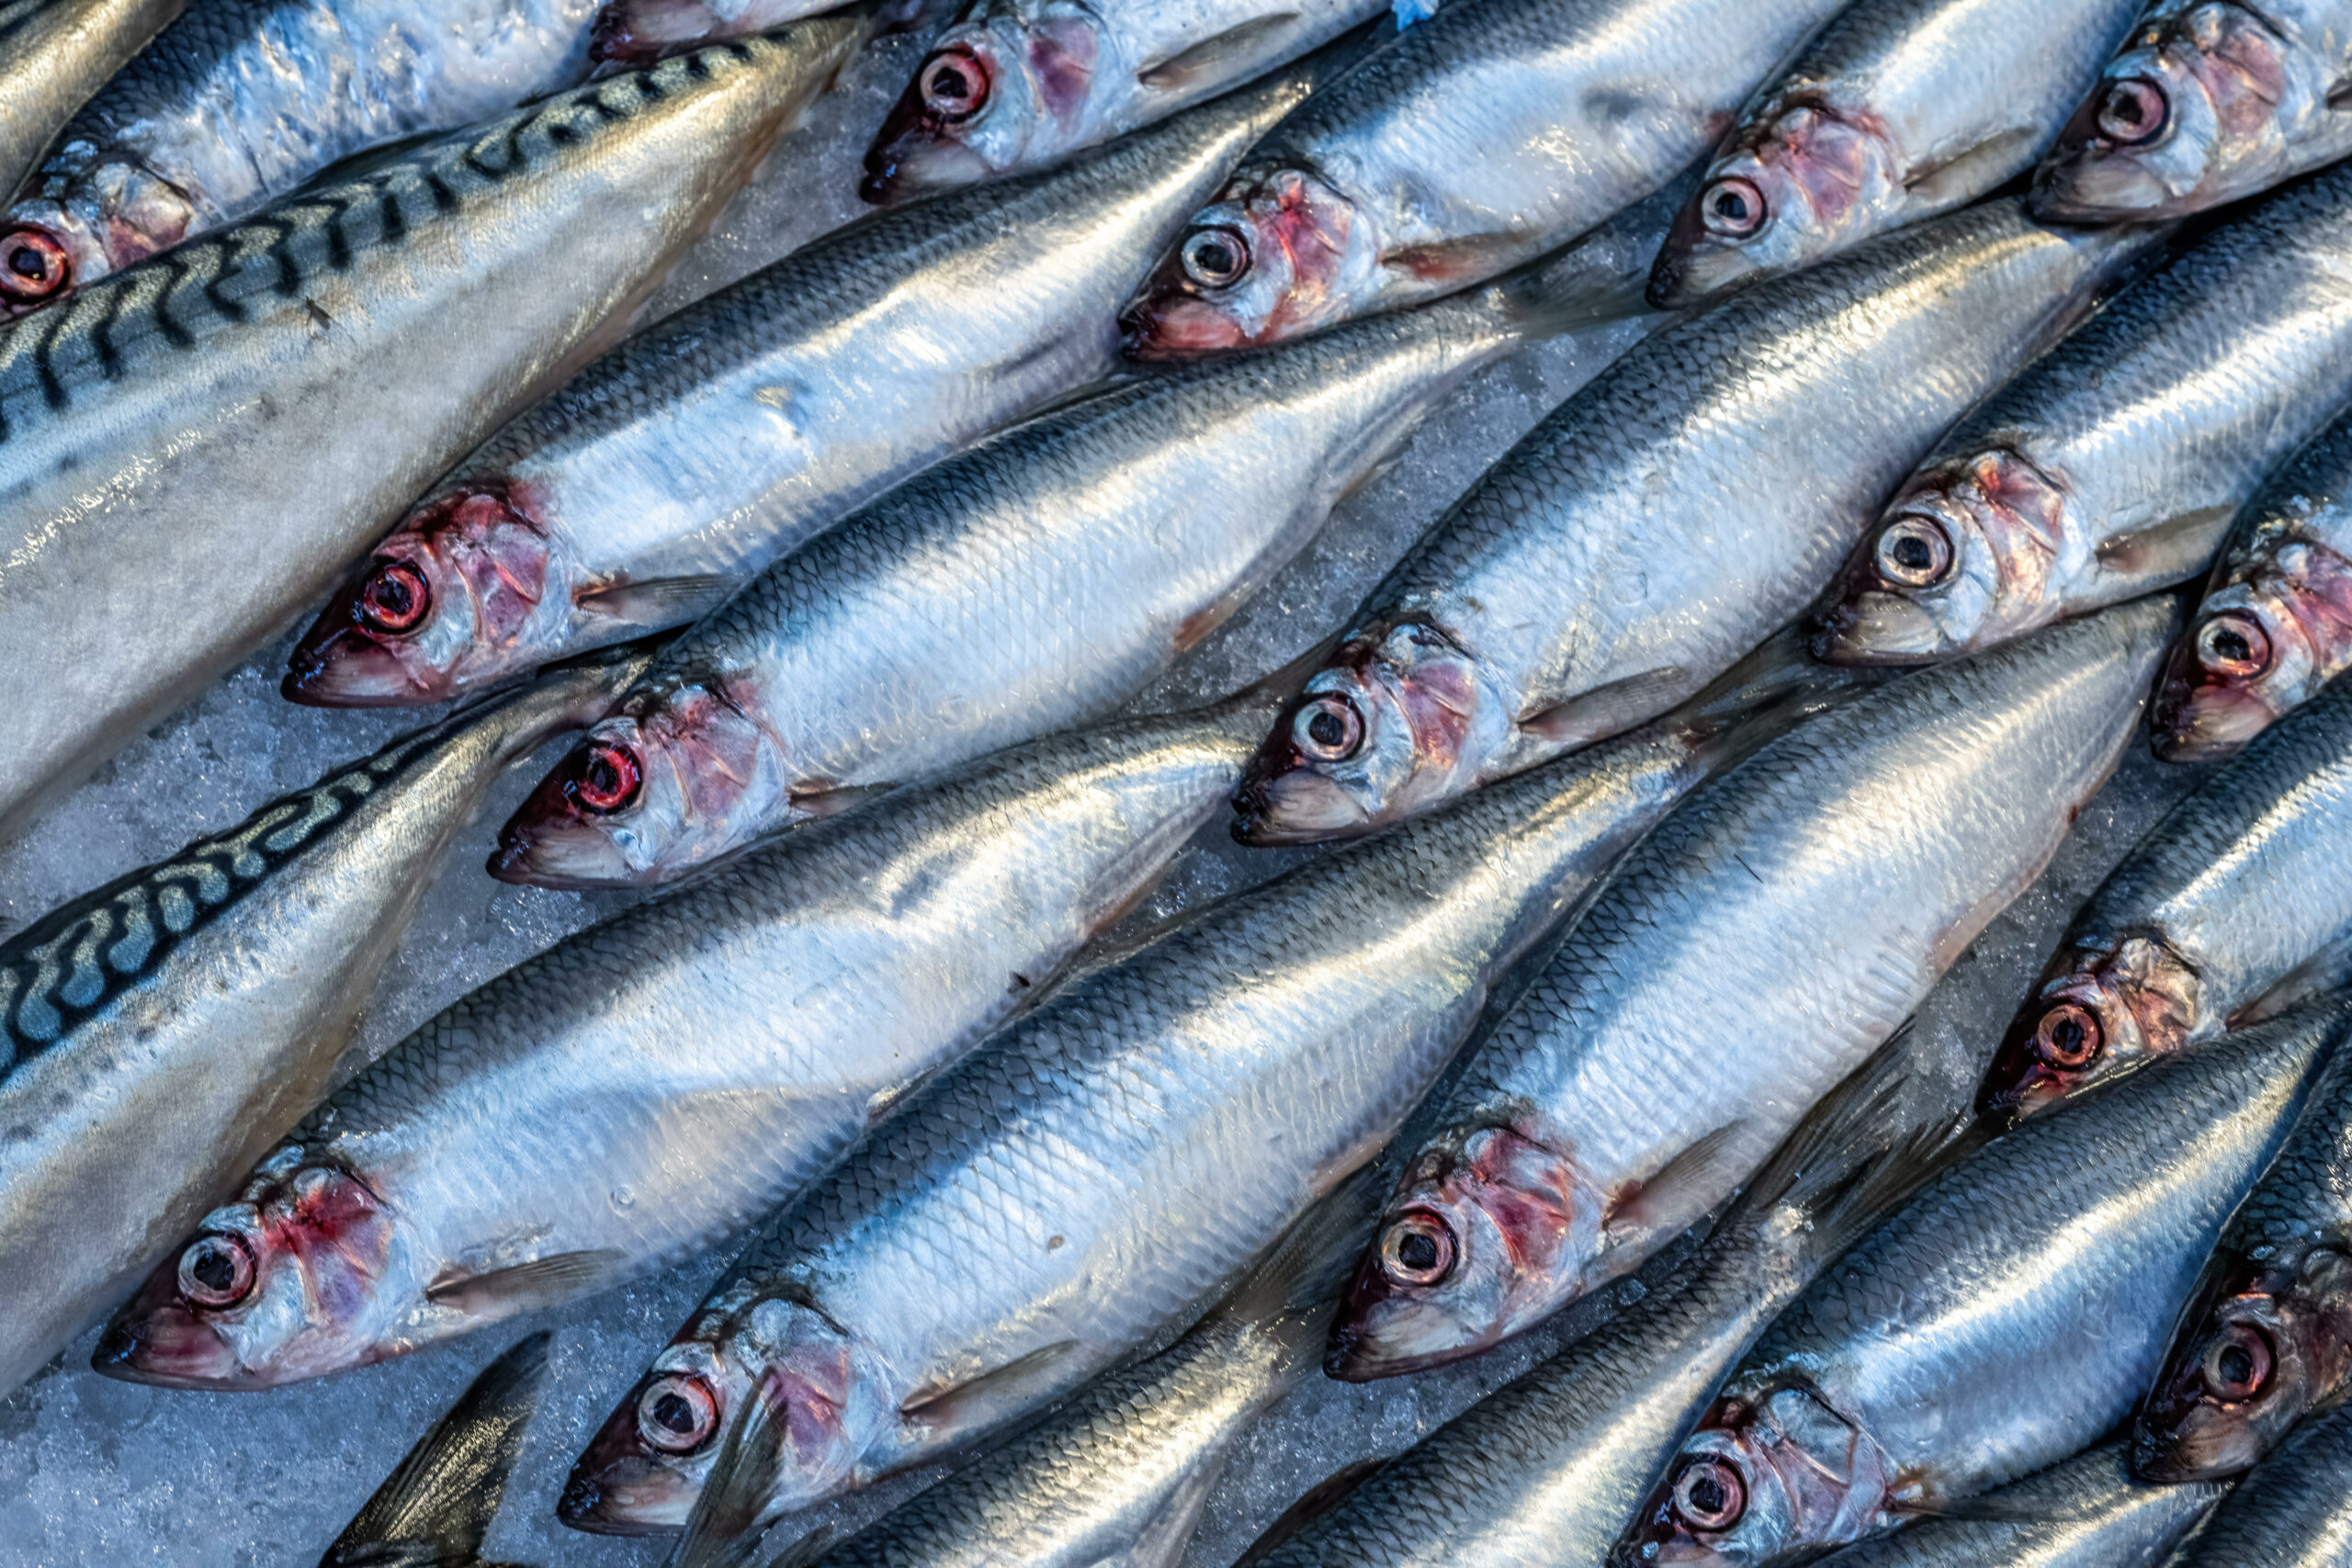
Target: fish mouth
x=918 y=164
x=1871 y=626
x=155 y=1341
x=1299 y=806
x=337 y=666
x=1178 y=325
x=618 y=1487
x=2093 y=186
x=2207 y=724
x=571 y=834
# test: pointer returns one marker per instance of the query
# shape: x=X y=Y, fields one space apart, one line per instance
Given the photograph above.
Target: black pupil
x=947 y=83
x=1912 y=553
x=674 y=1414
x=1732 y=205
x=2236 y=1366
x=1707 y=1495
x=2127 y=106
x=1326 y=729
x=392 y=593
x=606 y=779
x=2067 y=1035
x=1214 y=256
x=215 y=1271
x=1417 y=1251
x=2232 y=646
x=27 y=262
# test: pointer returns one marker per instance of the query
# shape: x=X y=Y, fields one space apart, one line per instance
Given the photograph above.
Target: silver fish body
x=2230 y=910
x=1598 y=573
x=188 y=433
x=1054 y=1201
x=1895 y=112
x=165 y=1030
x=53 y=55
x=660 y=479
x=2292 y=1512
x=1476 y=140
x=1755 y=948
x=658 y=1083
x=2115 y=464
x=1034 y=582
x=2002 y=1318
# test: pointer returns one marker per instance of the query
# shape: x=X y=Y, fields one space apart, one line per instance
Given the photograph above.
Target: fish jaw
x=1276 y=256
x=2119 y=1005
x=668 y=785
x=299 y=1277
x=446 y=604
x=2264 y=1344
x=1972 y=553
x=1812 y=182
x=2258 y=648
x=648 y=1463
x=1000 y=92
x=1401 y=719
x=1777 y=1477
x=1476 y=1247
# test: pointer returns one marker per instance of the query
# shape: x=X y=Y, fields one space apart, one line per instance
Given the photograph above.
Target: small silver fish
x=2291 y=1512
x=53 y=55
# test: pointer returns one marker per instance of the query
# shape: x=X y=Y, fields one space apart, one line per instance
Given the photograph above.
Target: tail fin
x=446 y=1491
x=1776 y=688
x=1294 y=1291
x=1601 y=277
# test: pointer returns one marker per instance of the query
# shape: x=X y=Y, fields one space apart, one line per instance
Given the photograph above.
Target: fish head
x=2192 y=112
x=1399 y=720
x=1481 y=1241
x=2257 y=649
x=302 y=1275
x=1010 y=87
x=679 y=779
x=1803 y=184
x=446 y=604
x=1777 y=1476
x=1277 y=256
x=650 y=1459
x=1967 y=555
x=2262 y=1345
x=2120 y=1004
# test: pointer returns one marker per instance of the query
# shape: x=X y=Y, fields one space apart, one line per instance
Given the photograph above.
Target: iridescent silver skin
x=53 y=55
x=1690 y=501
x=660 y=479
x=1059 y=1200
x=1018 y=85
x=1756 y=947
x=2231 y=909
x=2115 y=464
x=1897 y=110
x=163 y=1030
x=2206 y=102
x=2006 y=1314
x=1034 y=582
x=2293 y=1511
x=653 y=1086
x=1476 y=140
x=180 y=462
x=2275 y=623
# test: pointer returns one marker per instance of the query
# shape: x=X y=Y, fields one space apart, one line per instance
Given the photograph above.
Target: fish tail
x=1776 y=688
x=1294 y=1293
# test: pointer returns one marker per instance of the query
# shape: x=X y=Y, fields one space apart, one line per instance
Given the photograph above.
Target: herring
x=53 y=55
x=2292 y=1512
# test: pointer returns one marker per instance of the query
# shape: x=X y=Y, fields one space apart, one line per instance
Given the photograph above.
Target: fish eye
x=2232 y=646
x=2068 y=1038
x=2131 y=110
x=1732 y=206
x=1914 y=551
x=1417 y=1248
x=607 y=776
x=1329 y=729
x=2238 y=1363
x=676 y=1414
x=33 y=267
x=954 y=84
x=1710 y=1495
x=1216 y=257
x=215 y=1272
x=394 y=598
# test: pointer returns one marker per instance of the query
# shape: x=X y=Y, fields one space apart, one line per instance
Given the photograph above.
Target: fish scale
x=2292 y=1512
x=53 y=55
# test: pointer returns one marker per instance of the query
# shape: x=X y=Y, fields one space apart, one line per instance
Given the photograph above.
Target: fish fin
x=1467 y=259
x=2327 y=969
x=1971 y=172
x=541 y=1282
x=1776 y=688
x=833 y=801
x=807 y=1550
x=1278 y=686
x=659 y=601
x=2339 y=97
x=2174 y=550
x=1320 y=1499
x=1607 y=710
x=723 y=1530
x=1296 y=1287
x=448 y=1489
x=1009 y=1390
x=1683 y=1189
x=1989 y=1509
x=1253 y=40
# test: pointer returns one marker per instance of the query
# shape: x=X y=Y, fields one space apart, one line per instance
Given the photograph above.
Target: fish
x=2275 y=622
x=2289 y=1513
x=178 y=457
x=53 y=55
x=2007 y=1315
x=2116 y=463
x=1475 y=140
x=1895 y=112
x=1754 y=950
x=2230 y=910
x=161 y=1033
x=1012 y=85
x=654 y=1084
x=2267 y=1336
x=2205 y=102
x=1056 y=1202
x=1036 y=580
x=434 y=1511
x=1560 y=600
x=663 y=477
x=625 y=33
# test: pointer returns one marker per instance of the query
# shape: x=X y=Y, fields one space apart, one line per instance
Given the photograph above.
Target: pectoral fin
x=1609 y=710
x=1228 y=53
x=1018 y=1385
x=1683 y=1189
x=526 y=1287
x=658 y=601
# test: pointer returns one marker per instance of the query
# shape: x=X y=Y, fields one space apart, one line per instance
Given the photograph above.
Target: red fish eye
x=1914 y=551
x=33 y=267
x=2131 y=110
x=676 y=1414
x=2067 y=1038
x=2232 y=646
x=1328 y=729
x=607 y=776
x=1216 y=257
x=1417 y=1248
x=215 y=1272
x=2238 y=1363
x=1710 y=1495
x=1732 y=206
x=394 y=598
x=954 y=84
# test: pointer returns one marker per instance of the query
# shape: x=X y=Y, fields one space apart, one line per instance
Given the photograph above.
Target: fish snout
x=582 y=826
x=925 y=142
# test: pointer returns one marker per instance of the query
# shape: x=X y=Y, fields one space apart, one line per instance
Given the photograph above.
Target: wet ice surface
x=100 y=1471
